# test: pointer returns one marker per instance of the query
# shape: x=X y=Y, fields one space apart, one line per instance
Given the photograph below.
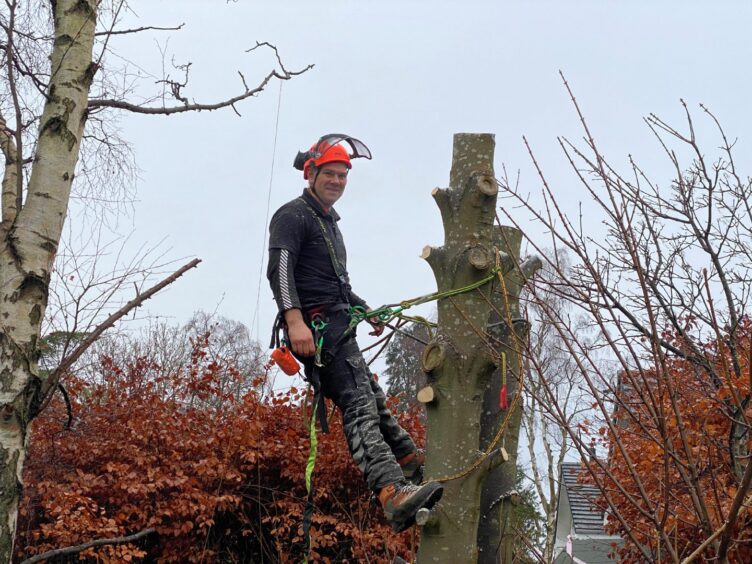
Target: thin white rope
x=255 y=323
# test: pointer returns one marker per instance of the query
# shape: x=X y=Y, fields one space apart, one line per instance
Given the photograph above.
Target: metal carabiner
x=318 y=324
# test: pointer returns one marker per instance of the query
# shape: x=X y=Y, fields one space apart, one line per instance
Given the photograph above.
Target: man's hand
x=301 y=337
x=376 y=325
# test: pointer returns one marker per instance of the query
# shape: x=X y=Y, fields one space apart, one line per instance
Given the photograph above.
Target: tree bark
x=29 y=244
x=496 y=538
x=460 y=360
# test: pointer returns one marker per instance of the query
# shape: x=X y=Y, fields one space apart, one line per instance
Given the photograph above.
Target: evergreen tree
x=405 y=376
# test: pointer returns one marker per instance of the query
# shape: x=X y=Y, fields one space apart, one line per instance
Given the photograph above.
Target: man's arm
x=301 y=338
x=285 y=237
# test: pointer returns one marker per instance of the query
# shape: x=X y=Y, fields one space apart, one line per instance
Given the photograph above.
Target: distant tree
x=660 y=271
x=168 y=345
x=403 y=370
x=549 y=366
x=703 y=427
x=526 y=522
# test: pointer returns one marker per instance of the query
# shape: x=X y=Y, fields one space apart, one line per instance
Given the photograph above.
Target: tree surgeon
x=307 y=272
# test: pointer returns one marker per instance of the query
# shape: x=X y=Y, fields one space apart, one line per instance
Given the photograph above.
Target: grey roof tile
x=587 y=517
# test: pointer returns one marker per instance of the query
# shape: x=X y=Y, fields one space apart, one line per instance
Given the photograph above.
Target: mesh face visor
x=357 y=147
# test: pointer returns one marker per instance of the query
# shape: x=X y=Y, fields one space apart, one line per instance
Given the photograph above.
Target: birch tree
x=549 y=366
x=54 y=89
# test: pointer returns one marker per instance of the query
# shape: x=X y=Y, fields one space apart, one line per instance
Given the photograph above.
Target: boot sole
x=400 y=522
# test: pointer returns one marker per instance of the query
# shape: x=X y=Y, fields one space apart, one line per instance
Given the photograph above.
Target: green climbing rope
x=310 y=467
x=387 y=313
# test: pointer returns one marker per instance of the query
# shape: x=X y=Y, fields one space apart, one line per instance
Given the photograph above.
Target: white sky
x=402 y=77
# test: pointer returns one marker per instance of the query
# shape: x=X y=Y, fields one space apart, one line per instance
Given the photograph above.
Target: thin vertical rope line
x=256 y=321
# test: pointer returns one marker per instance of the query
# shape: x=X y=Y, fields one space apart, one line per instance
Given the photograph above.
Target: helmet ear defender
x=301 y=158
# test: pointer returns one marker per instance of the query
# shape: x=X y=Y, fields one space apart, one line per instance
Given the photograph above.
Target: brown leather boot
x=402 y=500
x=412 y=466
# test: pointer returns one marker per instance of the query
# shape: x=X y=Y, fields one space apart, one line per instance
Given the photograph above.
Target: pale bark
x=28 y=247
x=460 y=360
x=496 y=537
x=10 y=174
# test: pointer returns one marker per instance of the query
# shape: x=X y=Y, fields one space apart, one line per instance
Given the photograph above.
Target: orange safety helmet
x=331 y=154
x=328 y=150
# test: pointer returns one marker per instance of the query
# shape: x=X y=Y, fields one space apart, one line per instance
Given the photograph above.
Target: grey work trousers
x=374 y=436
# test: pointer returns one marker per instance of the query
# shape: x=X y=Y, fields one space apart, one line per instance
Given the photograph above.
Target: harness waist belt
x=326 y=309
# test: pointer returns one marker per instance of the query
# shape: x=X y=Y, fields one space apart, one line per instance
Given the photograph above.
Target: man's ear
x=311 y=176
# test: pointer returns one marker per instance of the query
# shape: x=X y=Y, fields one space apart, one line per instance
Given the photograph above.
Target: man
x=308 y=274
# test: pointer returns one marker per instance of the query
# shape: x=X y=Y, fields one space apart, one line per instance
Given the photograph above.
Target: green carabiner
x=318 y=324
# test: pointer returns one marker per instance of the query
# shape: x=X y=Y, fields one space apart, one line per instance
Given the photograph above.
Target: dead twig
x=91 y=544
x=138 y=29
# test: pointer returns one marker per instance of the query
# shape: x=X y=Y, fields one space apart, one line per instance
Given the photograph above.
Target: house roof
x=587 y=517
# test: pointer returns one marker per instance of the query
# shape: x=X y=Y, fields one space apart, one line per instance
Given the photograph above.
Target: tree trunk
x=496 y=538
x=29 y=242
x=459 y=360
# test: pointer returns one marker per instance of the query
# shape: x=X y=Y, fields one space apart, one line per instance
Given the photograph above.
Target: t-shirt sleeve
x=281 y=275
x=287 y=230
x=357 y=300
x=286 y=235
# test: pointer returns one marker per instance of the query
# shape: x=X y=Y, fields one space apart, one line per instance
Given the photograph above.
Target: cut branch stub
x=434 y=257
x=531 y=266
x=433 y=357
x=486 y=185
x=426 y=394
x=521 y=328
x=480 y=257
x=427 y=518
x=441 y=197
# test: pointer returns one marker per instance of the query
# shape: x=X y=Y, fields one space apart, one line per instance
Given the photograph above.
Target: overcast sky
x=403 y=77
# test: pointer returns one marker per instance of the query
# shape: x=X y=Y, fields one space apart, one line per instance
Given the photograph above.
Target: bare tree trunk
x=495 y=535
x=30 y=241
x=462 y=358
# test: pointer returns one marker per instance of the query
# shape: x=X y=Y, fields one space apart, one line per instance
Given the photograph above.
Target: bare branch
x=699 y=550
x=8 y=199
x=92 y=544
x=197 y=107
x=739 y=500
x=138 y=29
x=51 y=383
x=9 y=48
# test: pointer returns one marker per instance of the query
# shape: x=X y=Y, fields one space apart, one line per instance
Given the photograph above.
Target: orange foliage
x=221 y=478
x=649 y=437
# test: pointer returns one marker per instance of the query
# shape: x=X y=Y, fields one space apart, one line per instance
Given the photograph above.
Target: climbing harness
x=338 y=270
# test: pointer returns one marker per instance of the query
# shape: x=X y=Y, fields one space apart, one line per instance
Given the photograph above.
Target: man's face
x=330 y=183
